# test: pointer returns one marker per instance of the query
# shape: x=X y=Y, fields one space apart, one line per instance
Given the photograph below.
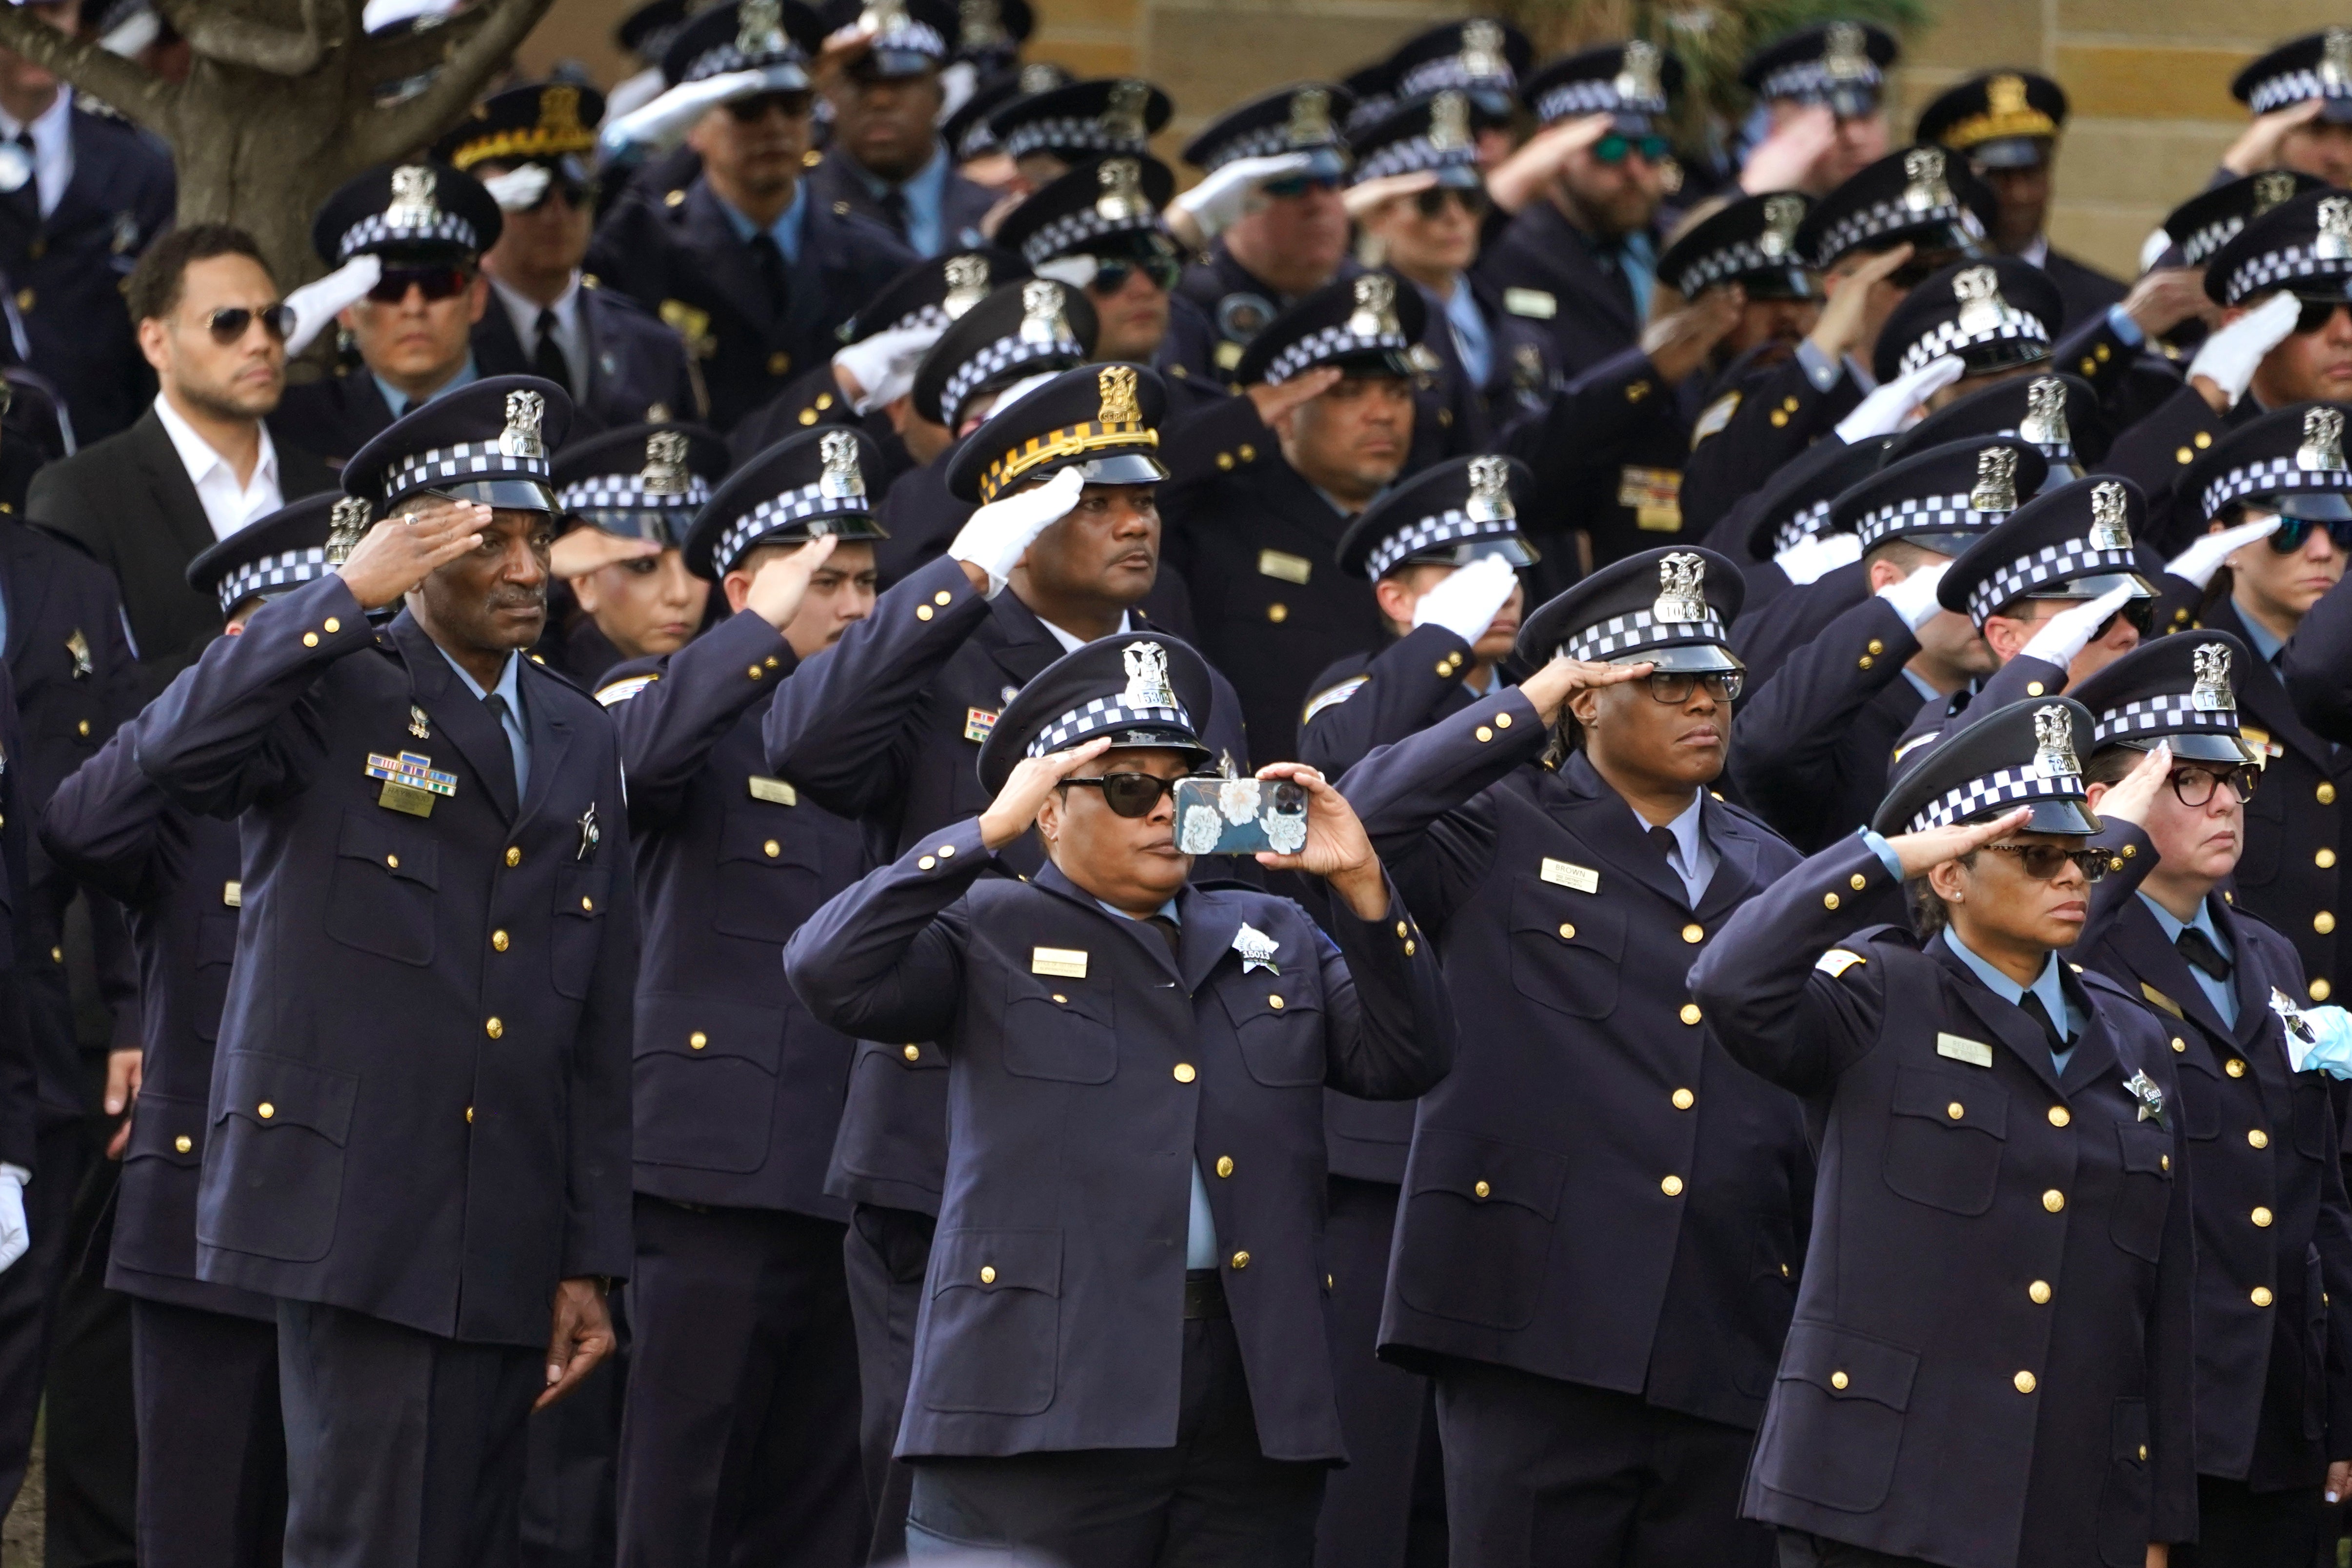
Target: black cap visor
x=1462 y=177
x=2335 y=111
x=666 y=526
x=1851 y=100
x=1780 y=282
x=1152 y=738
x=2001 y=355
x=2011 y=152
x=890 y=65
x=2085 y=588
x=2198 y=745
x=1512 y=548
x=510 y=494
x=1951 y=544
x=1684 y=659
x=2051 y=815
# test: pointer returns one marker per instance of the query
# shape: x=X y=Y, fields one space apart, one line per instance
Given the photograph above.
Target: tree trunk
x=262 y=152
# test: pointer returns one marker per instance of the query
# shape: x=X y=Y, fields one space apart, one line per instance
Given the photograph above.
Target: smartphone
x=1240 y=816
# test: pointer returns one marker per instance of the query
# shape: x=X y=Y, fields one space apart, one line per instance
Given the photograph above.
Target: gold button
x=1685 y=1099
x=1672 y=1187
x=1185 y=1074
x=1481 y=1189
x=752 y=671
x=1956 y=1110
x=922 y=613
x=494 y=1028
x=1402 y=929
x=1275 y=1002
x=183 y=1143
x=1225 y=462
x=392 y=862
x=2143 y=1453
x=1857 y=881
x=1839 y=1380
x=1241 y=1259
x=1693 y=933
x=333 y=625
x=911 y=1052
x=265 y=1110
x=943 y=596
x=2258 y=1138
x=2033 y=688
x=2039 y=1293
x=772 y=849
x=1409 y=949
x=1247 y=453
x=2234 y=1066
x=24 y=300
x=82 y=728
x=1445 y=667
x=769 y=661
x=2323 y=923
x=1876 y=646
x=1567 y=932
x=808 y=416
x=2319 y=989
x=778 y=363
x=1483 y=733
x=57 y=955
x=945 y=851
x=2327 y=794
x=498 y=941
x=925 y=864
x=1224 y=1164
x=514 y=854
x=1690 y=1012
x=2060 y=1116
x=1278 y=613
x=309 y=638
x=2024 y=1381
x=2261 y=1296
x=698 y=1040
x=1501 y=721
x=1829 y=901
x=469 y=1115
x=1779 y=417
x=2130 y=850
x=2054 y=1200
x=2164 y=1162
x=2324 y=859
x=1864 y=662
x=988 y=1273
x=2179 y=1043
x=2262 y=1217
x=588 y=906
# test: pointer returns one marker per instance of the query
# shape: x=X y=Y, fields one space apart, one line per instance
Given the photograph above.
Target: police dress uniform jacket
x=335 y=415
x=2274 y=1351
x=176 y=877
x=1229 y=305
x=19 y=1072
x=2023 y=677
x=1079 y=1103
x=420 y=1109
x=1546 y=270
x=2292 y=874
x=834 y=184
x=680 y=257
x=636 y=363
x=128 y=501
x=1520 y=374
x=1607 y=454
x=1756 y=419
x=67 y=269
x=737 y=1090
x=1596 y=1193
x=1935 y=1399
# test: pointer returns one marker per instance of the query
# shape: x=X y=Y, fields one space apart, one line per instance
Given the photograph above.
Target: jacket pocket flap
x=167 y=1128
x=1092 y=1001
x=1485 y=1171
x=373 y=836
x=1958 y=1101
x=580 y=890
x=671 y=1023
x=997 y=1260
x=769 y=835
x=279 y=1092
x=1565 y=916
x=1265 y=995
x=2147 y=1148
x=1848 y=1365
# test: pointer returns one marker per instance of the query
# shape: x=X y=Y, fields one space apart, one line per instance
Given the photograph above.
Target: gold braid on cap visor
x=1071 y=441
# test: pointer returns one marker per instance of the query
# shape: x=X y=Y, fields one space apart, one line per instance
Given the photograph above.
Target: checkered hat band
x=2279 y=268
x=1265 y=141
x=1886 y=217
x=1444 y=71
x=781 y=512
x=605 y=492
x=1329 y=343
x=466 y=460
x=2199 y=246
x=909 y=36
x=2289 y=87
x=2005 y=787
x=724 y=58
x=2051 y=563
x=1806 y=78
x=1069 y=130
x=1924 y=515
x=2269 y=476
x=1741 y=256
x=975 y=142
x=931 y=316
x=1103 y=712
x=1072 y=230
x=1593 y=95
x=1640 y=629
x=1451 y=525
x=446 y=228
x=1412 y=156
x=1800 y=526
x=2167 y=715
x=1948 y=339
x=1004 y=354
x=272 y=574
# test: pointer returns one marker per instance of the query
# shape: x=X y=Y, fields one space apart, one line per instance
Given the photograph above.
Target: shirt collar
x=50 y=122
x=1166 y=911
x=397 y=401
x=785 y=231
x=1919 y=683
x=1685 y=828
x=2172 y=926
x=510 y=685
x=2038 y=252
x=2266 y=647
x=2046 y=984
x=525 y=312
x=198 y=456
x=1072 y=644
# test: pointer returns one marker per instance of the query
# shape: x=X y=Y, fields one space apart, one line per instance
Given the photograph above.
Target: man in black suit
x=200 y=464
x=887 y=161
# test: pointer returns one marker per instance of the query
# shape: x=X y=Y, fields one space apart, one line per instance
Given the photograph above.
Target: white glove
x=2318 y=1040
x=2068 y=632
x=1914 y=598
x=519 y=188
x=2230 y=356
x=666 y=118
x=1817 y=554
x=883 y=366
x=1884 y=411
x=315 y=304
x=1465 y=602
x=1219 y=199
x=995 y=537
x=14 y=1236
x=2200 y=562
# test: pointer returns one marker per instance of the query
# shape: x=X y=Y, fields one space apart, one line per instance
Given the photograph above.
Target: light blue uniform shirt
x=1693 y=859
x=2220 y=993
x=509 y=687
x=1473 y=340
x=2045 y=985
x=397 y=401
x=925 y=194
x=785 y=231
x=1200 y=1228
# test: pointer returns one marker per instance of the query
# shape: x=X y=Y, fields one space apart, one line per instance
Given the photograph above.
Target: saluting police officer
x=1125 y=1356
x=625 y=590
x=740 y=1436
x=1991 y=1359
x=437 y=1217
x=884 y=158
x=1097 y=227
x=1594 y=1265
x=1049 y=131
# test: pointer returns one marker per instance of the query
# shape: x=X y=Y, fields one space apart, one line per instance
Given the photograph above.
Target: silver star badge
x=2151 y=1099
x=1257 y=949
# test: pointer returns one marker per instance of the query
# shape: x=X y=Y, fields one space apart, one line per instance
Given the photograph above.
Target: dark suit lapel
x=1020 y=643
x=1735 y=849
x=820 y=259
x=2094 y=1049
x=1209 y=931
x=2005 y=1020
x=168 y=482
x=1601 y=819
x=2253 y=999
x=451 y=709
x=2156 y=965
x=551 y=737
x=1155 y=947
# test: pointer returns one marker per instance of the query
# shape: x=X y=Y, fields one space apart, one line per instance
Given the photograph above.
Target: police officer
x=1825 y=83
x=1097 y=227
x=2300 y=95
x=1125 y=1356
x=2171 y=780
x=1483 y=57
x=437 y=1222
x=1921 y=198
x=26 y=1277
x=751 y=268
x=211 y=1460
x=885 y=161
x=1783 y=537
x=739 y=1438
x=624 y=590
x=966 y=131
x=1047 y=134
x=429 y=224
x=1990 y=1361
x=621 y=365
x=1996 y=316
x=1589 y=1264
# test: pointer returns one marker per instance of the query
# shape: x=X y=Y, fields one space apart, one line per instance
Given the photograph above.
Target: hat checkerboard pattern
x=2269 y=476
x=2051 y=563
x=446 y=228
x=1950 y=337
x=1006 y=353
x=1326 y=343
x=287 y=569
x=2199 y=246
x=2275 y=268
x=1410 y=156
x=2289 y=87
x=907 y=36
x=1593 y=95
x=778 y=512
x=1810 y=79
x=1072 y=132
x=1641 y=629
x=1923 y=515
x=2168 y=713
x=1071 y=230
x=1444 y=71
x=2004 y=787
x=1887 y=217
x=1265 y=141
x=721 y=59
x=466 y=460
x=1454 y=524
x=1741 y=256
x=1103 y=712
x=610 y=492
x=1802 y=525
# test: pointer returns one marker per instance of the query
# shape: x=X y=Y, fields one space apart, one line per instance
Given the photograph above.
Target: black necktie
x=547 y=359
x=497 y=707
x=2030 y=1006
x=773 y=277
x=1169 y=932
x=2198 y=949
x=1663 y=838
x=27 y=198
x=894 y=209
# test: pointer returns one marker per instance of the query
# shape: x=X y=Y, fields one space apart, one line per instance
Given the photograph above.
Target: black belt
x=1205 y=1295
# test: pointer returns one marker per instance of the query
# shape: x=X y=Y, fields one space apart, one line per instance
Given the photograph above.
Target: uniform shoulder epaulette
x=621 y=691
x=1332 y=696
x=1913 y=744
x=1837 y=961
x=99 y=109
x=1714 y=417
x=1888 y=934
x=560 y=676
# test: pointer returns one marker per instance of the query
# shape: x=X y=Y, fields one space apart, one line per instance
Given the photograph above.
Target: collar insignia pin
x=419 y=725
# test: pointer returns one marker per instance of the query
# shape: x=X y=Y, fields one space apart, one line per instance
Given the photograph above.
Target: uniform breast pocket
x=1280 y=1021
x=1565 y=948
x=381 y=898
x=991 y=1342
x=1477 y=1228
x=770 y=875
x=1944 y=1139
x=278 y=1142
x=705 y=1082
x=1835 y=1423
x=216 y=951
x=1059 y=1028
x=577 y=932
x=2145 y=1190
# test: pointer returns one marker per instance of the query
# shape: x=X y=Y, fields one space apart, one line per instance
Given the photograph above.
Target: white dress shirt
x=229 y=506
x=53 y=158
x=570 y=336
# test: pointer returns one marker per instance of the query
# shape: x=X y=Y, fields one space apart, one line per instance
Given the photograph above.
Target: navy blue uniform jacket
x=1928 y=1405
x=420 y=1110
x=637 y=368
x=1078 y=1104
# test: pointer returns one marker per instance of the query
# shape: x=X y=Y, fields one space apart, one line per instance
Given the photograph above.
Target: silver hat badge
x=967 y=277
x=2108 y=529
x=347 y=524
x=1122 y=118
x=2336 y=61
x=841 y=479
x=521 y=437
x=1490 y=491
x=2271 y=186
x=1845 y=51
x=2045 y=414
x=1682 y=588
x=2211 y=692
x=2053 y=744
x=760 y=28
x=1637 y=74
x=1040 y=313
x=1482 y=53
x=1310 y=117
x=1783 y=216
x=1982 y=309
x=1374 y=314
x=1449 y=122
x=980 y=25
x=2322 y=451
x=2334 y=241
x=1924 y=184
x=1121 y=199
x=665 y=471
x=412 y=206
x=1996 y=485
x=1147 y=677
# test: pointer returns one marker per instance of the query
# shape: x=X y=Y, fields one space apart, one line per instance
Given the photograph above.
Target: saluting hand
x=2130 y=800
x=398 y=553
x=1553 y=685
x=783 y=580
x=1015 y=807
x=1922 y=851
x=1273 y=402
x=1840 y=330
x=1337 y=849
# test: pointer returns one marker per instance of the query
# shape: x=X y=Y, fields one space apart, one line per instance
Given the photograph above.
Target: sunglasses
x=752 y=110
x=1429 y=204
x=1614 y=146
x=1299 y=184
x=228 y=323
x=2316 y=313
x=1130 y=794
x=2195 y=786
x=1112 y=272
x=2294 y=532
x=1673 y=687
x=2046 y=862
x=433 y=282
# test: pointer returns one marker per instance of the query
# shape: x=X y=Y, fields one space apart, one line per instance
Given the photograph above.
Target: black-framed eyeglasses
x=1111 y=272
x=1299 y=184
x=1431 y=203
x=228 y=323
x=1130 y=794
x=1673 y=687
x=2046 y=862
x=2316 y=313
x=2194 y=786
x=433 y=282
x=2293 y=533
x=752 y=110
